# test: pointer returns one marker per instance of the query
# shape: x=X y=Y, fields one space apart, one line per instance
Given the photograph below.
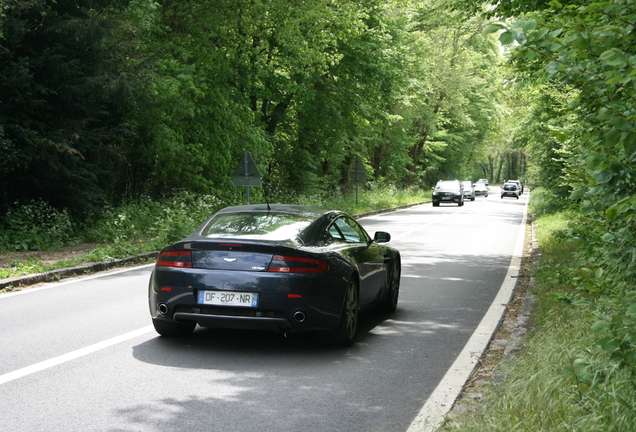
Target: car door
x=369 y=257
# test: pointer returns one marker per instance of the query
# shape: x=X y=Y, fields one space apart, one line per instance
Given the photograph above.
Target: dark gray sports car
x=282 y=268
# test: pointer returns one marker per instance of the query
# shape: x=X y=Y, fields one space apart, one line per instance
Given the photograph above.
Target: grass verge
x=560 y=381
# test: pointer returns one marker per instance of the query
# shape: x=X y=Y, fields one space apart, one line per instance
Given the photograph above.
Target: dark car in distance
x=519 y=185
x=281 y=268
x=448 y=191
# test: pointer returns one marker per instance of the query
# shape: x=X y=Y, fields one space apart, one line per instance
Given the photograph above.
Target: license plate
x=228 y=298
x=446 y=198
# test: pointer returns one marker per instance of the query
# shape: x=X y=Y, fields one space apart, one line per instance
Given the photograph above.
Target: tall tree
x=298 y=83
x=60 y=116
x=452 y=100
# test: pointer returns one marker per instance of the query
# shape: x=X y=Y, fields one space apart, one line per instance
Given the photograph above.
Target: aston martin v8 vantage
x=282 y=268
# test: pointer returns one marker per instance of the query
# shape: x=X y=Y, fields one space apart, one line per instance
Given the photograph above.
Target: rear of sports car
x=246 y=285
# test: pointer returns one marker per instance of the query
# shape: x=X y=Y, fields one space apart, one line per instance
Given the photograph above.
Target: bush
x=36 y=226
x=544 y=202
x=155 y=223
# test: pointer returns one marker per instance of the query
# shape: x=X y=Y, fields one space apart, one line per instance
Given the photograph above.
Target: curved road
x=81 y=355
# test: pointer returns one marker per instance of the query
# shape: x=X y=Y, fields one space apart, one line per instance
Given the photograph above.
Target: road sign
x=247 y=173
x=357 y=173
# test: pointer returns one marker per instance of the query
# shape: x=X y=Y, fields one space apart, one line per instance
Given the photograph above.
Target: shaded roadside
x=507 y=341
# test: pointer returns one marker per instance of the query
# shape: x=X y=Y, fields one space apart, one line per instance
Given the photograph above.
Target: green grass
x=104 y=253
x=368 y=199
x=547 y=388
x=19 y=268
x=562 y=380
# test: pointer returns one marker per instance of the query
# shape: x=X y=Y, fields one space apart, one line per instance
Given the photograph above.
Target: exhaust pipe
x=163 y=308
x=299 y=316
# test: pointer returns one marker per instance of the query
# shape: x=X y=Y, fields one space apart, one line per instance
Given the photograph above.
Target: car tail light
x=175 y=259
x=294 y=264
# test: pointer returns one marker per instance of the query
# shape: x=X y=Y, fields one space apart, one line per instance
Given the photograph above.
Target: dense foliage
x=105 y=102
x=579 y=57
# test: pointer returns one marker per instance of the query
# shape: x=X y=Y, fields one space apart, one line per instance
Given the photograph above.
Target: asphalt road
x=81 y=355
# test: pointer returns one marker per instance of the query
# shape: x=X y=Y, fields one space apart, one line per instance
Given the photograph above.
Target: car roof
x=285 y=208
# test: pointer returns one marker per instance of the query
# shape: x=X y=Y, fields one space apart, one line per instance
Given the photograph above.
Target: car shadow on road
x=210 y=343
x=240 y=380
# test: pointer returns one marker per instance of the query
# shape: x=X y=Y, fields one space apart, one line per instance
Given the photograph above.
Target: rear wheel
x=172 y=328
x=393 y=292
x=346 y=331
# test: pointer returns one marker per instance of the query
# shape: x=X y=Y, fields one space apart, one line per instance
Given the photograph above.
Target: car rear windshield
x=257 y=225
x=447 y=185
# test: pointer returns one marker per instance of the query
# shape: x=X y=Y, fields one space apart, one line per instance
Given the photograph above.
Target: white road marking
x=55 y=361
x=443 y=397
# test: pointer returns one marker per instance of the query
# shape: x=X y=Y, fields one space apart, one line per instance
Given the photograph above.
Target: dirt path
x=47 y=257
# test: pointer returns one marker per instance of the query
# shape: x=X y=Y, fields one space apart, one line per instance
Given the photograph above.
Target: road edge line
x=443 y=397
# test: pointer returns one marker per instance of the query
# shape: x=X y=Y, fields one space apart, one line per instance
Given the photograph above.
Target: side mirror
x=382 y=237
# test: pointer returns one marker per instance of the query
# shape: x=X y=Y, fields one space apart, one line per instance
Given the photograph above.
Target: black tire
x=393 y=292
x=346 y=331
x=173 y=328
x=435 y=204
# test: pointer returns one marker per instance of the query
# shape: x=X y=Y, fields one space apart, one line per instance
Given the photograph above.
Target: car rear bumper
x=286 y=303
x=235 y=322
x=447 y=199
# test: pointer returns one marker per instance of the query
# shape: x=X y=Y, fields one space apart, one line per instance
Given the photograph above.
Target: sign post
x=357 y=173
x=247 y=174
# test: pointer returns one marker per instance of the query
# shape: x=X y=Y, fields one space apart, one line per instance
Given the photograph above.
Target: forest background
x=111 y=102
